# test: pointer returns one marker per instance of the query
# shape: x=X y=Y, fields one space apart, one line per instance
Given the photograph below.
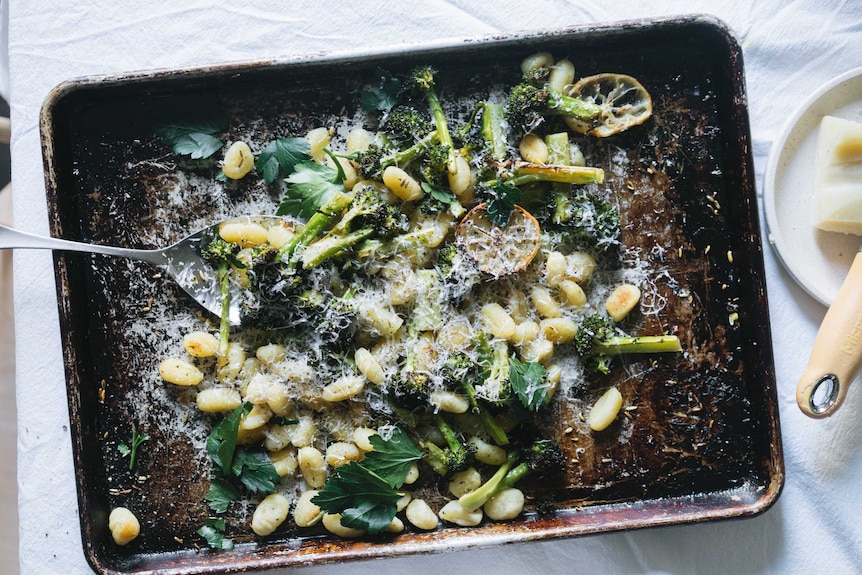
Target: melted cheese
x=838 y=176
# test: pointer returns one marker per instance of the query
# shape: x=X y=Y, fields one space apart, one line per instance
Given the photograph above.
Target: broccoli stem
x=224 y=324
x=321 y=220
x=558 y=153
x=479 y=496
x=414 y=152
x=444 y=137
x=330 y=246
x=383 y=249
x=497 y=433
x=619 y=345
x=493 y=131
x=525 y=172
x=562 y=104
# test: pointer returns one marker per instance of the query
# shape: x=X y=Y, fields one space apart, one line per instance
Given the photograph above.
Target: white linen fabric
x=790 y=48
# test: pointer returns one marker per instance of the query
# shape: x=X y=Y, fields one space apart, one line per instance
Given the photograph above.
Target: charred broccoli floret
x=528 y=105
x=585 y=219
x=542 y=458
x=422 y=79
x=367 y=216
x=222 y=255
x=597 y=342
x=406 y=124
x=456 y=456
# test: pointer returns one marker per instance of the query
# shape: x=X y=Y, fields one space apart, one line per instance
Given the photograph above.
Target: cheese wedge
x=838 y=176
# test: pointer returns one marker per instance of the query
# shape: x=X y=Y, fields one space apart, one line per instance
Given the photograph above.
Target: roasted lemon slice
x=623 y=100
x=499 y=251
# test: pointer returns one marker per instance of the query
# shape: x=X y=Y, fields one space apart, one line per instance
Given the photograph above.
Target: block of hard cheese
x=838 y=176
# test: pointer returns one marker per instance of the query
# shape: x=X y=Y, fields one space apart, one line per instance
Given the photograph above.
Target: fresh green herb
x=311 y=186
x=391 y=458
x=220 y=494
x=364 y=499
x=281 y=420
x=527 y=381
x=190 y=126
x=236 y=465
x=254 y=470
x=381 y=97
x=280 y=157
x=132 y=451
x=365 y=493
x=500 y=207
x=213 y=532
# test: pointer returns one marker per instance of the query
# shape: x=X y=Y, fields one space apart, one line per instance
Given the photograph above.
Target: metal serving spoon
x=181 y=261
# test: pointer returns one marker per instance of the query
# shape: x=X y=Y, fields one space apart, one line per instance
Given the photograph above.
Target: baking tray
x=700 y=440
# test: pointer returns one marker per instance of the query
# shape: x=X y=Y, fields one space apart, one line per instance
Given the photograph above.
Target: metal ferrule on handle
x=837 y=352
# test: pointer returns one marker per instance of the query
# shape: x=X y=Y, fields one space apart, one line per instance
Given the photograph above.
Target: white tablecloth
x=790 y=48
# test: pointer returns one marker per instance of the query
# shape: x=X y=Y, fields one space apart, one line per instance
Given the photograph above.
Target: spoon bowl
x=181 y=261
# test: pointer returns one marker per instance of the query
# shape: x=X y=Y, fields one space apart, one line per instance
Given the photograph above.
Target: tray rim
x=736 y=507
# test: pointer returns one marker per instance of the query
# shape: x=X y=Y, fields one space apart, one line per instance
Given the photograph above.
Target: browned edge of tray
x=753 y=491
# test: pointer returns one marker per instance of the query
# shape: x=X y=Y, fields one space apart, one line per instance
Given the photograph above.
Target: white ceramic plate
x=818 y=260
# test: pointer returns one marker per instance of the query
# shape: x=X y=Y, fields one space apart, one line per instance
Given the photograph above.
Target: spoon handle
x=837 y=352
x=11 y=238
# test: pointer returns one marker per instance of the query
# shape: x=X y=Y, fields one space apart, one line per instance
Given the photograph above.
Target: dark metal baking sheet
x=703 y=440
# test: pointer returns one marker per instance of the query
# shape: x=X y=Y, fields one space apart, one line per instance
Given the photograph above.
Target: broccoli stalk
x=316 y=224
x=543 y=457
x=598 y=342
x=526 y=172
x=368 y=215
x=493 y=131
x=559 y=154
x=422 y=79
x=479 y=496
x=221 y=254
x=528 y=104
x=375 y=159
x=457 y=456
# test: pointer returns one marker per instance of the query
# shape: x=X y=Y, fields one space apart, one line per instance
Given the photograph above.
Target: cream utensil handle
x=837 y=353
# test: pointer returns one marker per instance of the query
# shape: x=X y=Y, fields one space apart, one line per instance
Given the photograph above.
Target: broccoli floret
x=368 y=216
x=459 y=272
x=405 y=124
x=542 y=458
x=218 y=250
x=457 y=456
x=489 y=366
x=377 y=157
x=460 y=371
x=410 y=388
x=528 y=105
x=584 y=220
x=222 y=255
x=597 y=342
x=331 y=317
x=422 y=79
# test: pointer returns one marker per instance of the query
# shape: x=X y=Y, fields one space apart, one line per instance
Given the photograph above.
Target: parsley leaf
x=220 y=494
x=236 y=467
x=500 y=207
x=364 y=499
x=213 y=532
x=364 y=493
x=311 y=186
x=221 y=443
x=280 y=157
x=391 y=458
x=255 y=471
x=381 y=97
x=189 y=126
x=528 y=383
